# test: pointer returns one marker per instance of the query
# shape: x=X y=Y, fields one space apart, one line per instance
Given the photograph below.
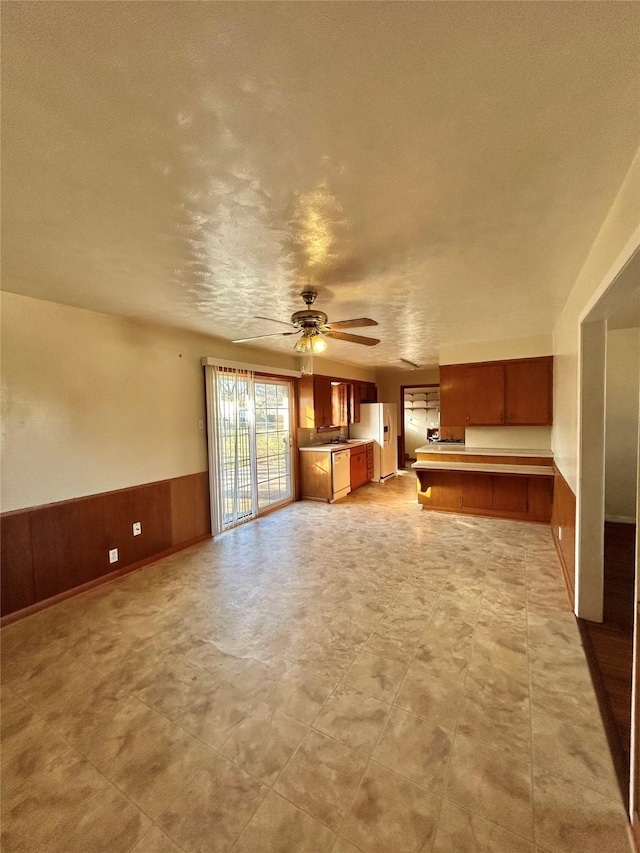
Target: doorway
x=420 y=420
x=607 y=510
x=250 y=445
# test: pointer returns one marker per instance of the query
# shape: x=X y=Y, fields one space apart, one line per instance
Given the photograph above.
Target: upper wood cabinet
x=517 y=392
x=485 y=394
x=453 y=401
x=315 y=408
x=529 y=392
x=322 y=405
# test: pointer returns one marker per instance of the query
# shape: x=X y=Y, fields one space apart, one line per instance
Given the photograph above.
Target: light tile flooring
x=357 y=677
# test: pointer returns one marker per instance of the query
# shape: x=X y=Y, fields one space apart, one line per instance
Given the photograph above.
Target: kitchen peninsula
x=515 y=484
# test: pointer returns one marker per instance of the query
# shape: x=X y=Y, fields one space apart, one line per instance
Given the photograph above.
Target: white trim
x=208 y=361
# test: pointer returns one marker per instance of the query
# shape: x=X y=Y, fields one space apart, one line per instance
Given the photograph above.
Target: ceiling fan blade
x=256 y=337
x=354 y=339
x=271 y=320
x=351 y=324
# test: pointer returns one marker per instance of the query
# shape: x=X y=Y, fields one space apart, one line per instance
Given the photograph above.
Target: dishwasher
x=341 y=473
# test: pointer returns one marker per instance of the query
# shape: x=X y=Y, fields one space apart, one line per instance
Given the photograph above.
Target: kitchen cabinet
x=515 y=496
x=453 y=401
x=359 y=466
x=517 y=392
x=325 y=474
x=485 y=394
x=529 y=392
x=325 y=402
x=315 y=403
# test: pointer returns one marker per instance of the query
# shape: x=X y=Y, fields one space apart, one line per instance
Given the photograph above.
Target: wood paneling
x=563 y=526
x=55 y=548
x=189 y=506
x=17 y=563
x=485 y=394
x=539 y=498
x=70 y=545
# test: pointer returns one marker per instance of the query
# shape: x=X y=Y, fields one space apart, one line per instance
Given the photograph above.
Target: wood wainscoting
x=563 y=527
x=48 y=551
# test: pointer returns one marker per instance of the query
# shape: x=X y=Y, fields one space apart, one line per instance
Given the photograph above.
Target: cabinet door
x=322 y=401
x=358 y=467
x=453 y=401
x=339 y=404
x=529 y=392
x=477 y=492
x=368 y=392
x=485 y=395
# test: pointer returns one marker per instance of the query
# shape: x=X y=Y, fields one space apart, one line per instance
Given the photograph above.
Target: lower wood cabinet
x=515 y=496
x=359 y=467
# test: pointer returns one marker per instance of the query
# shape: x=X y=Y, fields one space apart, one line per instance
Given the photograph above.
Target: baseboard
x=634 y=835
x=18 y=615
x=566 y=575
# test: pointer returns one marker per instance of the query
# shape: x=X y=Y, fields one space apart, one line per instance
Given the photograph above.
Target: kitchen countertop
x=333 y=448
x=482 y=451
x=485 y=468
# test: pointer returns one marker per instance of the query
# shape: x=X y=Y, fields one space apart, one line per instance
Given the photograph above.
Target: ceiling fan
x=314 y=326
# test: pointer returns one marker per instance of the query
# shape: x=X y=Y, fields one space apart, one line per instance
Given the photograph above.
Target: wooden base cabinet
x=359 y=468
x=515 y=496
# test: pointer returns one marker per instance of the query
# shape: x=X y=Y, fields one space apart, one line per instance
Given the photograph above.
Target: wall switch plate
x=113 y=555
x=137 y=528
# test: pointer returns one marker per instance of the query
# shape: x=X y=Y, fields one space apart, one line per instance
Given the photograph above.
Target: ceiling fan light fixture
x=318 y=343
x=303 y=344
x=311 y=341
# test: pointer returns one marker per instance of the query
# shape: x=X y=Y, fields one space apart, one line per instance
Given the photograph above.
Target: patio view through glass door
x=273 y=442
x=253 y=445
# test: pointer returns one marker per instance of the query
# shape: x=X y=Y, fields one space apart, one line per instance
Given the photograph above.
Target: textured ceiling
x=441 y=167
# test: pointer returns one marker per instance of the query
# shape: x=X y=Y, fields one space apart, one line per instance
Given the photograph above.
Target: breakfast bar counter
x=494 y=482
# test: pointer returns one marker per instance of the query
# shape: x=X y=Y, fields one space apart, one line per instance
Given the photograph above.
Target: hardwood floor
x=609 y=645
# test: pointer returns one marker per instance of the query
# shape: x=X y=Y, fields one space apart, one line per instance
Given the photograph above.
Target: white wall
x=514 y=438
x=92 y=402
x=501 y=350
x=621 y=430
x=390 y=381
x=613 y=245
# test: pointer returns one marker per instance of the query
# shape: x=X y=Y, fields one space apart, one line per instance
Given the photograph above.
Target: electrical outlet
x=137 y=528
x=559 y=534
x=113 y=555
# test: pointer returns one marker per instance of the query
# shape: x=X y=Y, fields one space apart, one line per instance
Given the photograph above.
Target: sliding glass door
x=273 y=442
x=250 y=429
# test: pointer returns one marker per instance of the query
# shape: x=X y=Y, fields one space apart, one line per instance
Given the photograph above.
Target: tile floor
x=357 y=677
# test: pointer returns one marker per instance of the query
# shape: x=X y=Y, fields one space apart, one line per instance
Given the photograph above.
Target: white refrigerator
x=379 y=421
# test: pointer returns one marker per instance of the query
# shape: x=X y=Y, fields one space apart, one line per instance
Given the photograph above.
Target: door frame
x=401 y=437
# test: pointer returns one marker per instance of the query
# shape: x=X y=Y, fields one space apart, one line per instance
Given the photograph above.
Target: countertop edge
x=483 y=451
x=489 y=468
x=334 y=448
